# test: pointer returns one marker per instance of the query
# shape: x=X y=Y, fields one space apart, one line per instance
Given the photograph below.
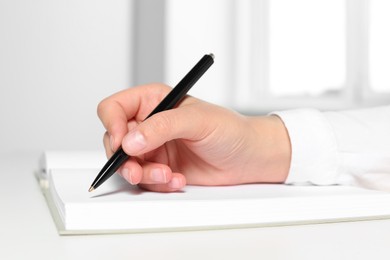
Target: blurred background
x=59 y=58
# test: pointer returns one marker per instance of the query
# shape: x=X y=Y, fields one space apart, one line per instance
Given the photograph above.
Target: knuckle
x=161 y=124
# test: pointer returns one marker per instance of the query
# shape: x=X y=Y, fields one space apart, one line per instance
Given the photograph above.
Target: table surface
x=28 y=231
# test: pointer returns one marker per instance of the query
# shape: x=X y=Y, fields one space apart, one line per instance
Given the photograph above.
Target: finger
x=109 y=142
x=131 y=171
x=177 y=182
x=114 y=120
x=155 y=173
x=116 y=110
x=187 y=122
x=146 y=172
x=107 y=145
x=132 y=124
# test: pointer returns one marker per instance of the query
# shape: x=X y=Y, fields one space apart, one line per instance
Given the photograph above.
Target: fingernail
x=134 y=142
x=175 y=183
x=158 y=175
x=126 y=174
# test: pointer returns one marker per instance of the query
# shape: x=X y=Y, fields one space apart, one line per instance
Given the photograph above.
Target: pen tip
x=91 y=189
x=212 y=55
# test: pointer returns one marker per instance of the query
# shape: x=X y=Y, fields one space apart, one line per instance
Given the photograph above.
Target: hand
x=196 y=143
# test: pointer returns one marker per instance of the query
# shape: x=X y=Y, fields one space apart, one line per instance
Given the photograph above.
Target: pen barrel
x=112 y=165
x=181 y=89
x=169 y=102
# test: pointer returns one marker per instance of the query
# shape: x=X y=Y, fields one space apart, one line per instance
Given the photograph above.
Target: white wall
x=195 y=28
x=58 y=59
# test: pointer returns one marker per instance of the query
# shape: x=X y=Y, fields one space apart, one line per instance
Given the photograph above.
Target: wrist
x=273 y=149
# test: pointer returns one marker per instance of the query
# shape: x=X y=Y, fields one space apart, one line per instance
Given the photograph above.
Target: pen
x=173 y=97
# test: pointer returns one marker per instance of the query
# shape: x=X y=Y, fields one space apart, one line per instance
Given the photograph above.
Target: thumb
x=161 y=128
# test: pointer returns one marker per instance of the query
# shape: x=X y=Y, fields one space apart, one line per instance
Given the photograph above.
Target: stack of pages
x=117 y=207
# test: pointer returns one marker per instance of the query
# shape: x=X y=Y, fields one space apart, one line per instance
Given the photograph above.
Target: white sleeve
x=346 y=147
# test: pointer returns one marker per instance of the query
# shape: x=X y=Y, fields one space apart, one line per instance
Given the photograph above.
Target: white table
x=27 y=231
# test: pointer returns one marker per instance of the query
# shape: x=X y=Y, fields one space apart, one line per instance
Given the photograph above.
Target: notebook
x=118 y=207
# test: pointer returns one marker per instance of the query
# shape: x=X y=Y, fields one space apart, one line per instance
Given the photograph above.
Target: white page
x=72 y=160
x=117 y=205
x=73 y=186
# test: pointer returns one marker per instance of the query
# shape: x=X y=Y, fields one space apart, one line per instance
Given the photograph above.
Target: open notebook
x=117 y=207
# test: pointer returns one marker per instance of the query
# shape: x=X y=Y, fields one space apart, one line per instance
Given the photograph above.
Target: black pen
x=176 y=94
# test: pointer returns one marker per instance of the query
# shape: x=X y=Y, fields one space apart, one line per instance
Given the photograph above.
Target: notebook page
x=118 y=205
x=72 y=186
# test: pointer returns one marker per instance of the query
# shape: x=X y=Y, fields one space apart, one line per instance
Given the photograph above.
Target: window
x=328 y=54
x=379 y=46
x=307 y=55
x=281 y=54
